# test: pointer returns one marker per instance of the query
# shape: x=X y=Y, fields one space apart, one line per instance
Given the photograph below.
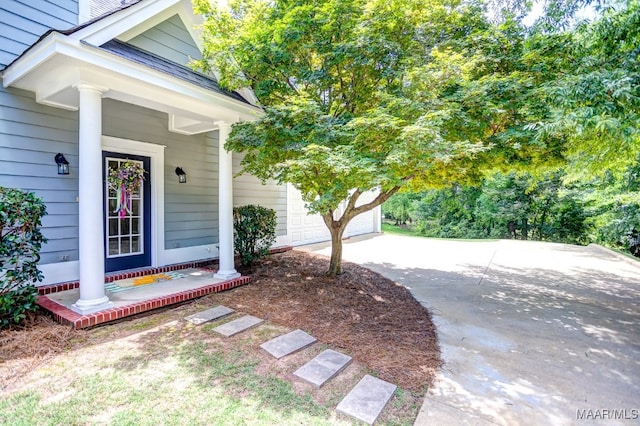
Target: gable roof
x=161 y=64
x=97 y=52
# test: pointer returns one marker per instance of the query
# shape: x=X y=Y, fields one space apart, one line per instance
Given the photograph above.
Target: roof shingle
x=163 y=65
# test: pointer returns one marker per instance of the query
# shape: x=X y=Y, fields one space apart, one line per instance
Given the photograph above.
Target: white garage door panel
x=307 y=229
x=365 y=222
x=304 y=228
x=361 y=224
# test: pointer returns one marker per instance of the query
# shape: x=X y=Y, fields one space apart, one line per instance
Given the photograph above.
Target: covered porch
x=135 y=292
x=77 y=71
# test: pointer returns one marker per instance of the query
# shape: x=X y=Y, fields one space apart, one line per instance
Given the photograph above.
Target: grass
x=189 y=383
x=399 y=230
x=409 y=231
x=159 y=370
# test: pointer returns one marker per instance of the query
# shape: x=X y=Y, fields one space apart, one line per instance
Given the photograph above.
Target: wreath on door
x=125 y=180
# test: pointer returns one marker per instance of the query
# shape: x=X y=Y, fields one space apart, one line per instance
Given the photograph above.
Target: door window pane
x=114 y=249
x=125 y=226
x=125 y=245
x=113 y=227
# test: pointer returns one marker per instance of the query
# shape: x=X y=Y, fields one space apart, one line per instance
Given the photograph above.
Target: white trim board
x=60 y=272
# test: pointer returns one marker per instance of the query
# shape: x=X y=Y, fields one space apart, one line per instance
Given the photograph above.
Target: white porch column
x=92 y=294
x=225 y=206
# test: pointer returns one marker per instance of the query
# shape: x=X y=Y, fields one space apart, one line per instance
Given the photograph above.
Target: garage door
x=304 y=228
x=307 y=229
x=363 y=223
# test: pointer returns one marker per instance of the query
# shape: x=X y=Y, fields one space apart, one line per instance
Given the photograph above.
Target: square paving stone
x=236 y=326
x=367 y=399
x=323 y=367
x=288 y=343
x=209 y=315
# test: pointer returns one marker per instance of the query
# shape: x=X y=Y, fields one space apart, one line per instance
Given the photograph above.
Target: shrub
x=20 y=242
x=255 y=232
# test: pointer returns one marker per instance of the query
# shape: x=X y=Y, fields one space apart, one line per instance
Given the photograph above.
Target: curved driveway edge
x=531 y=333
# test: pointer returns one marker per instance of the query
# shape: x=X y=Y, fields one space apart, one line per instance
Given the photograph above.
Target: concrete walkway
x=531 y=333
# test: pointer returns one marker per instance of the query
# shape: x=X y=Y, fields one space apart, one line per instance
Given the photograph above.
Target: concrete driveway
x=531 y=333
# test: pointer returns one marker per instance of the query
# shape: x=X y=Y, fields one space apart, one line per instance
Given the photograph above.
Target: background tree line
x=546 y=207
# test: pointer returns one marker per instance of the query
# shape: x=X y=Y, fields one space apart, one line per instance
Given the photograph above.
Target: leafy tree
x=594 y=93
x=504 y=207
x=615 y=201
x=399 y=207
x=418 y=94
x=570 y=221
x=447 y=212
x=357 y=95
x=513 y=205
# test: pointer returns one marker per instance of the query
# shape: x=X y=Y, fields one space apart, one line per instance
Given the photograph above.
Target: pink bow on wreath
x=123 y=206
x=125 y=180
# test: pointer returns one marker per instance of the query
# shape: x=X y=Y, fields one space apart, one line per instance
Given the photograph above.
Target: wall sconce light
x=182 y=176
x=63 y=164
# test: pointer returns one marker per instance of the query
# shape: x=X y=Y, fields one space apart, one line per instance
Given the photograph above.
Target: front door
x=128 y=234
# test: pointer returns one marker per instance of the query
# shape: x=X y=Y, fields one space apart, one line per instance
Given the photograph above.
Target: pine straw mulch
x=361 y=313
x=370 y=317
x=30 y=345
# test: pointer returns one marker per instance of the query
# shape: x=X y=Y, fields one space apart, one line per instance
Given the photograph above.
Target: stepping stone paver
x=236 y=326
x=288 y=343
x=209 y=315
x=367 y=399
x=323 y=367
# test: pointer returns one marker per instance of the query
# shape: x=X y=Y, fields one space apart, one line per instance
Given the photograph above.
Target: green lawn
x=400 y=230
x=408 y=230
x=161 y=370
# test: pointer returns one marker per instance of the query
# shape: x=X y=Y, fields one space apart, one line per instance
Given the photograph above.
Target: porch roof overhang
x=56 y=64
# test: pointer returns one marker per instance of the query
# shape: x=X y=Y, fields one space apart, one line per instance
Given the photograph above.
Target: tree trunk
x=338 y=226
x=335 y=264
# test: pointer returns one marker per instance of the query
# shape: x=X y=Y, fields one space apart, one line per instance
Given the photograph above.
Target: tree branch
x=381 y=198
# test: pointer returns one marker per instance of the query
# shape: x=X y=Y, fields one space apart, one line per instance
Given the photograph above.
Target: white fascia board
x=58 y=44
x=111 y=62
x=122 y=21
x=42 y=51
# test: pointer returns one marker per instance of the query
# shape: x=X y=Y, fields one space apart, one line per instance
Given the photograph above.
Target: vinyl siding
x=30 y=137
x=22 y=22
x=31 y=134
x=248 y=189
x=191 y=209
x=169 y=39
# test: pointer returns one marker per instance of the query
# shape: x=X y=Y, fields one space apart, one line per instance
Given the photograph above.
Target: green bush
x=20 y=242
x=255 y=232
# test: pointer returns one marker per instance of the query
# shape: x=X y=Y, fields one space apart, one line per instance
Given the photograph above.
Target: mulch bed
x=361 y=313
x=370 y=317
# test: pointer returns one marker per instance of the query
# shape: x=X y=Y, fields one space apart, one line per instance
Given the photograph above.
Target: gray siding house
x=104 y=81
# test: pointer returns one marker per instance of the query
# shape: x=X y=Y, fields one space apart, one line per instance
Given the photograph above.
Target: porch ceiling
x=53 y=68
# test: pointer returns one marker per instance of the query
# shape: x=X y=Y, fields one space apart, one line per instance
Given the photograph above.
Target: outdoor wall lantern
x=182 y=176
x=63 y=164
